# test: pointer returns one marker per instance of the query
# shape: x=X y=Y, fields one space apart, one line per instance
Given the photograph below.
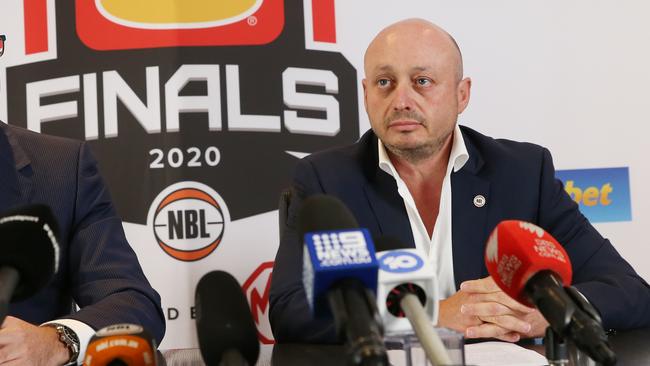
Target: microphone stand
x=557 y=351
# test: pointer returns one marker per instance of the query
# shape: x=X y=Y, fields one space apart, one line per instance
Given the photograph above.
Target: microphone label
x=400 y=262
x=340 y=248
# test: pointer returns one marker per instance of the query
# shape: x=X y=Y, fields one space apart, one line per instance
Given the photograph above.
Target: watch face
x=71 y=335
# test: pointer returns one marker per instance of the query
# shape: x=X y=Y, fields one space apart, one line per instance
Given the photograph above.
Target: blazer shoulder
x=502 y=151
x=38 y=147
x=345 y=157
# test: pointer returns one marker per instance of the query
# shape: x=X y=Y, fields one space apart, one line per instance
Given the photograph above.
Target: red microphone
x=529 y=265
x=518 y=250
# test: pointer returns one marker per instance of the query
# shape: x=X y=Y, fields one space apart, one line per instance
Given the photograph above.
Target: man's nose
x=403 y=98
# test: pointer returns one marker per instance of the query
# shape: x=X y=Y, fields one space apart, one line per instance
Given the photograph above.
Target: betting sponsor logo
x=602 y=194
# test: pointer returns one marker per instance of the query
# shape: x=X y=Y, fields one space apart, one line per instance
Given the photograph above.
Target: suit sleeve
x=609 y=282
x=108 y=283
x=290 y=316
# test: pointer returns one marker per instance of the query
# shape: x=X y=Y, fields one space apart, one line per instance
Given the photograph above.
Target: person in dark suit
x=420 y=177
x=98 y=269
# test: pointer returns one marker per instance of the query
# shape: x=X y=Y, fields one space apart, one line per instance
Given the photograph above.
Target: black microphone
x=30 y=253
x=224 y=323
x=340 y=276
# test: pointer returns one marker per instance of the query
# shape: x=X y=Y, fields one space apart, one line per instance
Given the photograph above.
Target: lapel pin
x=479 y=201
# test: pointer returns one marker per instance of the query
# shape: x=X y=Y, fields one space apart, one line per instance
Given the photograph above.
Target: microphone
x=224 y=323
x=30 y=253
x=529 y=265
x=340 y=276
x=121 y=345
x=407 y=298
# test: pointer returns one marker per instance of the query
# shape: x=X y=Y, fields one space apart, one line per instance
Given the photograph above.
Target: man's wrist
x=68 y=339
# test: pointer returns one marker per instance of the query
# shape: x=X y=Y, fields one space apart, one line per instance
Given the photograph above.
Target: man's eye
x=423 y=81
x=383 y=82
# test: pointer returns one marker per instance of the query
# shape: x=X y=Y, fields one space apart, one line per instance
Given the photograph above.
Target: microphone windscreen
x=517 y=250
x=28 y=242
x=121 y=345
x=223 y=319
x=322 y=212
x=404 y=271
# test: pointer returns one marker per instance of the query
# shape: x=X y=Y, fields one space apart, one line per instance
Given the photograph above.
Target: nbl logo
x=189 y=220
x=400 y=262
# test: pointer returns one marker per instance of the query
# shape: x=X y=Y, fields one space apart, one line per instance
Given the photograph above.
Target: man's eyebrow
x=383 y=68
x=420 y=68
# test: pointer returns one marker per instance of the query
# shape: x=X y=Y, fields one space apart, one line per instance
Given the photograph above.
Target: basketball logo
x=189 y=220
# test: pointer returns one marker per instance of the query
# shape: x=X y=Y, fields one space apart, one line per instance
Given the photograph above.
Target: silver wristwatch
x=70 y=339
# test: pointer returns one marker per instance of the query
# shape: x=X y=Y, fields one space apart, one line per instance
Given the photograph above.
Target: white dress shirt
x=438 y=247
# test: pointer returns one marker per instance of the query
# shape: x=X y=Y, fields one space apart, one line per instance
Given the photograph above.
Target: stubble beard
x=423 y=151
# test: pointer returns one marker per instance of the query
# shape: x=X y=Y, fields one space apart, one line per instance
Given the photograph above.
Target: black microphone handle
x=567 y=319
x=233 y=357
x=545 y=290
x=588 y=336
x=354 y=312
x=9 y=277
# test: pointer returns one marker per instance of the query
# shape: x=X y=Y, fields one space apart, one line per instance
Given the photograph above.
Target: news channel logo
x=603 y=194
x=400 y=262
x=341 y=248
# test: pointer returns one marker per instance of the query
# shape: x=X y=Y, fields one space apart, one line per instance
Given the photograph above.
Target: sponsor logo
x=121 y=24
x=257 y=288
x=400 y=262
x=603 y=195
x=340 y=248
x=188 y=220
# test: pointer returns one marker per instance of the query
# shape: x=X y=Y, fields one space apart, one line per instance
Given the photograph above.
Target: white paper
x=479 y=354
x=502 y=354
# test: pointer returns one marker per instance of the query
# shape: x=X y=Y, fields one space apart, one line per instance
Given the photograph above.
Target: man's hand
x=481 y=310
x=22 y=343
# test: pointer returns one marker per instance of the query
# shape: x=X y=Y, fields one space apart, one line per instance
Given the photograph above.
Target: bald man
x=440 y=187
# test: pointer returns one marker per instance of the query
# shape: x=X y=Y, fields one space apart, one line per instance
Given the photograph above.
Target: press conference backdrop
x=198 y=111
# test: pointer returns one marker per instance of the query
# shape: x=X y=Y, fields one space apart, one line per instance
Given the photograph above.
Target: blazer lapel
x=388 y=207
x=385 y=203
x=469 y=218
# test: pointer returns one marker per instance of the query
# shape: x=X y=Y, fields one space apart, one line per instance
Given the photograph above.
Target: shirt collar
x=457 y=157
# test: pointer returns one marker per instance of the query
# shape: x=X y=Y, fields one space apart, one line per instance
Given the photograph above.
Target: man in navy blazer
x=399 y=179
x=98 y=271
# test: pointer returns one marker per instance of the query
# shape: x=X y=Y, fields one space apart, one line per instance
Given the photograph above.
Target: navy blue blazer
x=518 y=181
x=98 y=268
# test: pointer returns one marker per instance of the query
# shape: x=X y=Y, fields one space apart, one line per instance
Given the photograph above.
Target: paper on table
x=480 y=354
x=502 y=354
